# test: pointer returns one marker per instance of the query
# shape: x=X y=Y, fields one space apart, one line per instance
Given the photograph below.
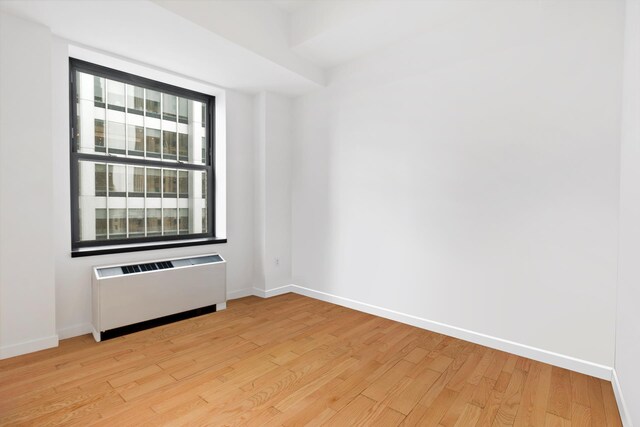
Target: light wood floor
x=292 y=360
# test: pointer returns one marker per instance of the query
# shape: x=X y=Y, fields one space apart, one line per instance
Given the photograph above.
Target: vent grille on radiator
x=155 y=266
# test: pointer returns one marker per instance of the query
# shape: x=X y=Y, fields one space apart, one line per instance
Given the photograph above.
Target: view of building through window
x=153 y=179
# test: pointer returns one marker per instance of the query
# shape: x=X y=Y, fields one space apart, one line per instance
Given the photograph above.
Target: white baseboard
x=273 y=292
x=556 y=359
x=622 y=406
x=240 y=293
x=74 y=331
x=28 y=347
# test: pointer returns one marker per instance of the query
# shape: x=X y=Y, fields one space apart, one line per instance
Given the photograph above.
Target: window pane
x=101 y=224
x=115 y=95
x=182 y=210
x=183 y=146
x=203 y=193
x=116 y=137
x=116 y=180
x=201 y=112
x=153 y=142
x=165 y=133
x=169 y=144
x=183 y=221
x=153 y=182
x=135 y=138
x=153 y=103
x=170 y=221
x=136 y=222
x=204 y=151
x=183 y=110
x=154 y=222
x=204 y=220
x=101 y=180
x=135 y=99
x=170 y=183
x=183 y=184
x=99 y=135
x=117 y=223
x=169 y=107
x=135 y=181
x=98 y=90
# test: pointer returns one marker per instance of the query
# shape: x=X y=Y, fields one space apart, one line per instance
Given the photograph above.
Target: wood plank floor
x=292 y=360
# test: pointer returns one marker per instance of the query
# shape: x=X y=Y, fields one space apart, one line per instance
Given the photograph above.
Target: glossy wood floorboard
x=292 y=360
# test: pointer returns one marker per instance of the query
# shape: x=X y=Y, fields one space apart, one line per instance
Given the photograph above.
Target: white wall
x=278 y=191
x=628 y=324
x=272 y=186
x=470 y=176
x=27 y=289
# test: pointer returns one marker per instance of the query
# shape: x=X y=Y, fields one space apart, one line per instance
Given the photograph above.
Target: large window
x=141 y=162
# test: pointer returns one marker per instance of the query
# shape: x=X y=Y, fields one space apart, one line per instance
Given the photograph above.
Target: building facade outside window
x=140 y=160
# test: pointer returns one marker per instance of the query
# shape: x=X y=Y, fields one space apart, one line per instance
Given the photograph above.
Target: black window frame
x=99 y=247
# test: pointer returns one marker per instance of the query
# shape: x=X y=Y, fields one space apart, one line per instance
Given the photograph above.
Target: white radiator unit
x=128 y=297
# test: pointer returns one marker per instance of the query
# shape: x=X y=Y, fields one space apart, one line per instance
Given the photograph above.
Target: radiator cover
x=127 y=294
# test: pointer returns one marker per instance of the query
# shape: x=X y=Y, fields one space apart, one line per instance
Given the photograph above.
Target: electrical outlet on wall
x=277 y=262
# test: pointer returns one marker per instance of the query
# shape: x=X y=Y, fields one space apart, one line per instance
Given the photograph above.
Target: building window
x=183 y=110
x=135 y=140
x=135 y=99
x=154 y=187
x=183 y=221
x=136 y=181
x=170 y=183
x=153 y=103
x=115 y=95
x=117 y=223
x=153 y=142
x=115 y=138
x=183 y=184
x=154 y=222
x=100 y=180
x=136 y=222
x=183 y=147
x=169 y=107
x=99 y=136
x=170 y=221
x=132 y=179
x=98 y=91
x=101 y=223
x=169 y=144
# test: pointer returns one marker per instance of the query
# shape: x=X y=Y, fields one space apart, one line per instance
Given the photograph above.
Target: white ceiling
x=145 y=32
x=284 y=46
x=291 y=5
x=330 y=33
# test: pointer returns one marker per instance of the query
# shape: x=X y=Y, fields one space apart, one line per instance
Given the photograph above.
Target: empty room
x=320 y=212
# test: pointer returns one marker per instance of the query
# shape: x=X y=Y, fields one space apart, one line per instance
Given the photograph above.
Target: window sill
x=117 y=249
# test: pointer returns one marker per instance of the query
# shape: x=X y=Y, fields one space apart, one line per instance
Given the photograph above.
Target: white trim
x=273 y=292
x=221 y=306
x=622 y=407
x=552 y=358
x=240 y=293
x=28 y=346
x=74 y=331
